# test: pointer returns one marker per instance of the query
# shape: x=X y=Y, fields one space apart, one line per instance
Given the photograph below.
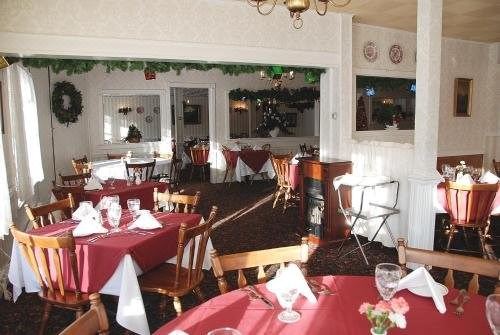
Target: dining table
x=251 y=162
x=115 y=168
x=112 y=263
x=336 y=313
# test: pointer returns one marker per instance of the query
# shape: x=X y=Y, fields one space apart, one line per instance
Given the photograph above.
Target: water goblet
x=87 y=204
x=493 y=313
x=114 y=215
x=387 y=277
x=286 y=299
x=224 y=331
x=134 y=205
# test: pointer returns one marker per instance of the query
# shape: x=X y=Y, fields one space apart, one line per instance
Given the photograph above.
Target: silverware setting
x=120 y=233
x=460 y=300
x=319 y=288
x=253 y=294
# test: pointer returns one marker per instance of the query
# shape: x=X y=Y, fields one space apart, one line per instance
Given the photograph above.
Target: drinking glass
x=134 y=205
x=224 y=331
x=114 y=215
x=387 y=277
x=493 y=313
x=286 y=299
x=108 y=200
x=87 y=204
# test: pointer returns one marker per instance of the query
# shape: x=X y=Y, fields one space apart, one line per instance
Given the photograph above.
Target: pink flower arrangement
x=386 y=314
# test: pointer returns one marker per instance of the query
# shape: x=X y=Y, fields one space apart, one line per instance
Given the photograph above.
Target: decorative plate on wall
x=149 y=119
x=370 y=51
x=396 y=54
x=140 y=110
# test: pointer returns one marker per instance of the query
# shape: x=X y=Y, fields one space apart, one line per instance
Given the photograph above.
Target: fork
x=319 y=288
x=460 y=309
x=456 y=301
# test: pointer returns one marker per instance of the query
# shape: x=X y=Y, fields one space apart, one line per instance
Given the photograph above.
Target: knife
x=259 y=296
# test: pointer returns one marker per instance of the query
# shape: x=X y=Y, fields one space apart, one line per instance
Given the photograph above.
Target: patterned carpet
x=246 y=221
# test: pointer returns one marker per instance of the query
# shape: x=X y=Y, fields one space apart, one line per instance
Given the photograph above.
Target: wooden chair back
x=144 y=169
x=43 y=254
x=474 y=265
x=44 y=215
x=81 y=168
x=199 y=156
x=266 y=147
x=198 y=236
x=61 y=192
x=181 y=203
x=95 y=321
x=114 y=156
x=281 y=165
x=84 y=159
x=496 y=166
x=259 y=259
x=75 y=179
x=470 y=205
x=303 y=148
x=475 y=160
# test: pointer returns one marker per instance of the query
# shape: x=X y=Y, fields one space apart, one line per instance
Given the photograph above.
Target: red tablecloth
x=294 y=176
x=97 y=261
x=333 y=314
x=441 y=196
x=143 y=191
x=255 y=159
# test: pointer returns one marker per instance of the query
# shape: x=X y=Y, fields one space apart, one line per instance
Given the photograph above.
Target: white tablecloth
x=115 y=168
x=131 y=313
x=243 y=170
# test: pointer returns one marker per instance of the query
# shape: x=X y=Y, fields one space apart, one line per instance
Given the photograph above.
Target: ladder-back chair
x=81 y=165
x=496 y=166
x=75 y=179
x=199 y=159
x=175 y=280
x=44 y=215
x=281 y=165
x=176 y=203
x=44 y=254
x=145 y=170
x=259 y=259
x=115 y=156
x=95 y=321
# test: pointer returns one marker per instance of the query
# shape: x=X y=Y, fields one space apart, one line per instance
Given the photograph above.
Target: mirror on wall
x=131 y=118
x=385 y=103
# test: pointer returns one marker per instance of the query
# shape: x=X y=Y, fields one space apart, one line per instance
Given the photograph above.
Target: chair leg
x=481 y=242
x=192 y=170
x=199 y=294
x=287 y=197
x=45 y=318
x=225 y=175
x=79 y=313
x=177 y=306
x=452 y=231
x=277 y=196
x=163 y=306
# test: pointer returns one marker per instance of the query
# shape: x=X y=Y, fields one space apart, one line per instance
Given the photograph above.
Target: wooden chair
x=53 y=292
x=144 y=169
x=281 y=164
x=61 y=192
x=476 y=266
x=266 y=147
x=115 y=156
x=259 y=259
x=199 y=159
x=469 y=206
x=75 y=179
x=43 y=215
x=181 y=203
x=175 y=280
x=95 y=321
x=230 y=165
x=303 y=148
x=81 y=165
x=496 y=166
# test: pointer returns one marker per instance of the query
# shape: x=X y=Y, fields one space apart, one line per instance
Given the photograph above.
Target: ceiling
x=477 y=20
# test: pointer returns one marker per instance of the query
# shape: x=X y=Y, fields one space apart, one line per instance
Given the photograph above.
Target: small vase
x=274 y=132
x=372 y=331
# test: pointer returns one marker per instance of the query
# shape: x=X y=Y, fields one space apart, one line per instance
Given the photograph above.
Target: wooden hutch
x=318 y=209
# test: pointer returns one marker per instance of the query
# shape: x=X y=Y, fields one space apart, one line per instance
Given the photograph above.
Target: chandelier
x=275 y=76
x=296 y=7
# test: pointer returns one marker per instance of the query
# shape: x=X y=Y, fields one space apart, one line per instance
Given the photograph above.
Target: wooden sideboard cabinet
x=318 y=209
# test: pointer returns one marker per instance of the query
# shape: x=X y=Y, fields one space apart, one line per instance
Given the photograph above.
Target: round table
x=333 y=314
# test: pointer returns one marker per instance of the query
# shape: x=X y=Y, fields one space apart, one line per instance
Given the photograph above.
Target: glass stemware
x=114 y=215
x=87 y=204
x=387 y=277
x=286 y=299
x=134 y=205
x=493 y=313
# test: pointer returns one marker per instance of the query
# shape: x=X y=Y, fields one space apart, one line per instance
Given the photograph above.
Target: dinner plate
x=421 y=290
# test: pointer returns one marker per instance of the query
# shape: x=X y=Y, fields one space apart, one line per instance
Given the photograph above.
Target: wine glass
x=114 y=215
x=493 y=312
x=286 y=299
x=134 y=205
x=387 y=277
x=224 y=331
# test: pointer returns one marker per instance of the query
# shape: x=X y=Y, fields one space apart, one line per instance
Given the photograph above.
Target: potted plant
x=134 y=134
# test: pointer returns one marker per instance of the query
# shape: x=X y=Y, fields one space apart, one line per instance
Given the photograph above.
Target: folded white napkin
x=489 y=178
x=145 y=221
x=257 y=147
x=92 y=184
x=177 y=332
x=466 y=179
x=290 y=278
x=351 y=180
x=90 y=224
x=421 y=278
x=84 y=211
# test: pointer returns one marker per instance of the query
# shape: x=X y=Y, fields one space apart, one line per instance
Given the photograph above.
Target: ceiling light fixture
x=296 y=7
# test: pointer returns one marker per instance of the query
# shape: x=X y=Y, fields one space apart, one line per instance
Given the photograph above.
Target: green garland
x=79 y=66
x=301 y=99
x=70 y=114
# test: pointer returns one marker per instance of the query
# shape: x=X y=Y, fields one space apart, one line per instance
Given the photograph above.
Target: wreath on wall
x=66 y=114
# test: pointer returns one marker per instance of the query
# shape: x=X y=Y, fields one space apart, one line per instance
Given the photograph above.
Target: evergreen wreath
x=70 y=114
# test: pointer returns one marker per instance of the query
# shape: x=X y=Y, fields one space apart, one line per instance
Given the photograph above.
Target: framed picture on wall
x=192 y=114
x=462 y=103
x=291 y=119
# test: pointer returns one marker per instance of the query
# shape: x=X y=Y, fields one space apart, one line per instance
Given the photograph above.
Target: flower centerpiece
x=462 y=169
x=385 y=314
x=134 y=134
x=272 y=121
